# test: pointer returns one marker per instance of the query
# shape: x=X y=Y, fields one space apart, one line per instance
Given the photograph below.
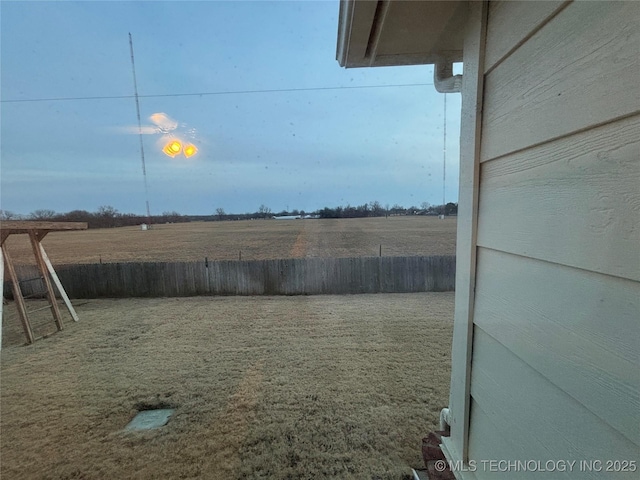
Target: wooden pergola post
x=51 y=296
x=17 y=295
x=36 y=232
x=58 y=284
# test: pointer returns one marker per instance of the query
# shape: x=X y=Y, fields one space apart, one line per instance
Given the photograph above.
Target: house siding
x=555 y=369
x=517 y=415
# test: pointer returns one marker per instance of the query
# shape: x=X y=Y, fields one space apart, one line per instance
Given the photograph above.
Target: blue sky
x=302 y=150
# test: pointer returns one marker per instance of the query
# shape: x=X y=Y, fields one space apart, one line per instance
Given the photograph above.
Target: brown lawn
x=264 y=387
x=257 y=239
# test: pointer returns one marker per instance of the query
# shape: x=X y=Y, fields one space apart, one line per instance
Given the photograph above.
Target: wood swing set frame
x=36 y=230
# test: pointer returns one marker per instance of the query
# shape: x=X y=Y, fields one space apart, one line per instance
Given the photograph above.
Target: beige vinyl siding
x=532 y=419
x=512 y=23
x=555 y=369
x=574 y=201
x=578 y=329
x=579 y=70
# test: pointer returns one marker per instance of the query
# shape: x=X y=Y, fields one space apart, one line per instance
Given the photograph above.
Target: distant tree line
x=374 y=209
x=105 y=217
x=108 y=217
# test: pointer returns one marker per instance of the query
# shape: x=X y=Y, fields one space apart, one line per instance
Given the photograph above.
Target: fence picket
x=291 y=276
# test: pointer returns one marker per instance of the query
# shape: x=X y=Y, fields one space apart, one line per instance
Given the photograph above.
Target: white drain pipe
x=443 y=78
x=445 y=418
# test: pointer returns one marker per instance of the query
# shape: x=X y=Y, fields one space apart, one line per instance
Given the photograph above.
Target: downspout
x=445 y=419
x=446 y=82
x=444 y=79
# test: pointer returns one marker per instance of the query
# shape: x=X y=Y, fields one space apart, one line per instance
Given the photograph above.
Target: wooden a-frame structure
x=36 y=231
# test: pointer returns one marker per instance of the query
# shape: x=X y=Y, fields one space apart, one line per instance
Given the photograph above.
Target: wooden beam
x=35 y=243
x=22 y=226
x=17 y=296
x=58 y=284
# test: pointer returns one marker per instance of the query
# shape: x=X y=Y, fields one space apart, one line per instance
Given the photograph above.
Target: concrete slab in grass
x=150 y=419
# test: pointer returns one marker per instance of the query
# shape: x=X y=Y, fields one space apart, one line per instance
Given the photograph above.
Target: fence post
x=206 y=272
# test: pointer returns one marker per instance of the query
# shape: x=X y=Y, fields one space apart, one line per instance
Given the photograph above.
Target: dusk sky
x=286 y=150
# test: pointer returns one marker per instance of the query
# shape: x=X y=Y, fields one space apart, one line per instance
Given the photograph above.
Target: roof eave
x=367 y=31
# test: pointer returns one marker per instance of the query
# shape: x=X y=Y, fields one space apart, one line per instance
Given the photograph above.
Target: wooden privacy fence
x=292 y=276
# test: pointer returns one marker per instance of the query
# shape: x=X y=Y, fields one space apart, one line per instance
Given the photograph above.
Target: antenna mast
x=144 y=168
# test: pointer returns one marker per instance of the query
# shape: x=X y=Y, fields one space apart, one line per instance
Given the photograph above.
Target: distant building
x=295 y=217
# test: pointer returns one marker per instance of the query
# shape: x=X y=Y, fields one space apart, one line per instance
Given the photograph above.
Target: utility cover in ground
x=149 y=419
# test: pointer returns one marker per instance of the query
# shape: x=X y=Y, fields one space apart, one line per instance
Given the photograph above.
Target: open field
x=257 y=239
x=264 y=387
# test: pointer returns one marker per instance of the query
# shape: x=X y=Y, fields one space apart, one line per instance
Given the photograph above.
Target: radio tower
x=144 y=168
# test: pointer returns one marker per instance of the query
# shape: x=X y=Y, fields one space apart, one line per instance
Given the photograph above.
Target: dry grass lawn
x=264 y=387
x=257 y=239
